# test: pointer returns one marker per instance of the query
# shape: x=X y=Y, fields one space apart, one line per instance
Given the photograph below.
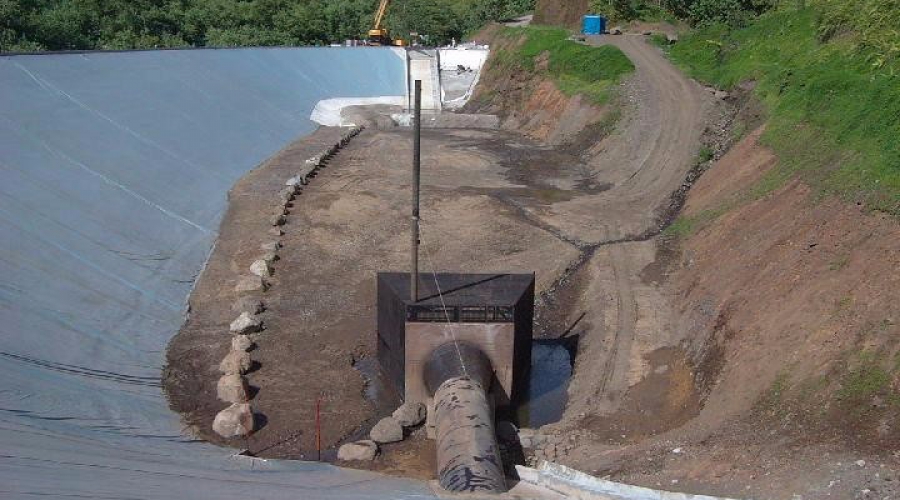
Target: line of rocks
x=388 y=430
x=238 y=420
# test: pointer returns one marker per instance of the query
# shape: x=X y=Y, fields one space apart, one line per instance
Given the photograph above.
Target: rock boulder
x=249 y=305
x=270 y=257
x=234 y=421
x=387 y=430
x=241 y=343
x=409 y=414
x=233 y=388
x=250 y=283
x=237 y=361
x=270 y=246
x=261 y=268
x=361 y=450
x=246 y=323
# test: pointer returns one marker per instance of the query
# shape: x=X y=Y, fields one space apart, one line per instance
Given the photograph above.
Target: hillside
x=566 y=13
x=775 y=287
x=547 y=87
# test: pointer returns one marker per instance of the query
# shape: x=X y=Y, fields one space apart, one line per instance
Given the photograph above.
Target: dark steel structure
x=464 y=299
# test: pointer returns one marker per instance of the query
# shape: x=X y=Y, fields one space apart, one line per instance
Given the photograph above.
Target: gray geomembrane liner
x=114 y=169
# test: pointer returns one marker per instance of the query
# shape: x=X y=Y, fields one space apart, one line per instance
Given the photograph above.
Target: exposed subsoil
x=707 y=363
x=779 y=297
x=493 y=201
x=567 y=13
x=349 y=223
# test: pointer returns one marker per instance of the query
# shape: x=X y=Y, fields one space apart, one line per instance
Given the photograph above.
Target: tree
x=124 y=24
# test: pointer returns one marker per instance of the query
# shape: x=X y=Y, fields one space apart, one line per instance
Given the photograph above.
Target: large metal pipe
x=468 y=458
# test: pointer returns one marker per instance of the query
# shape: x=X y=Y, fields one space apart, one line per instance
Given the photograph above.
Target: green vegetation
x=873 y=23
x=576 y=68
x=863 y=381
x=834 y=101
x=697 y=12
x=779 y=387
x=839 y=263
x=32 y=25
x=630 y=10
x=685 y=226
x=681 y=227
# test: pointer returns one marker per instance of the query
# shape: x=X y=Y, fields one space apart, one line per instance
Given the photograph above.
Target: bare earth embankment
x=687 y=340
x=493 y=200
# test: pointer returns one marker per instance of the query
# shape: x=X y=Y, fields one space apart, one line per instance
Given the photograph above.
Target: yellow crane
x=379 y=35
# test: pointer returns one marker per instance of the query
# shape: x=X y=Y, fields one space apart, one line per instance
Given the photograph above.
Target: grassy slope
x=834 y=105
x=576 y=68
x=833 y=97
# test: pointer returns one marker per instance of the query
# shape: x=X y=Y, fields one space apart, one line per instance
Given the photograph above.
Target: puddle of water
x=545 y=400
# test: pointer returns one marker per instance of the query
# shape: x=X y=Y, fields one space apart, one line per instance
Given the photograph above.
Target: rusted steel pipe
x=468 y=458
x=457 y=359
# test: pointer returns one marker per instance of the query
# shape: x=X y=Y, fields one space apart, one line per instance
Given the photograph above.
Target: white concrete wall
x=469 y=58
x=423 y=65
x=457 y=87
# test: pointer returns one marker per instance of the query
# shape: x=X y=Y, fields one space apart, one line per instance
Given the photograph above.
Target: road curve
x=644 y=161
x=648 y=156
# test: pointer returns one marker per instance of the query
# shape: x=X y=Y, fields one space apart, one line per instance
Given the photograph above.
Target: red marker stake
x=318 y=431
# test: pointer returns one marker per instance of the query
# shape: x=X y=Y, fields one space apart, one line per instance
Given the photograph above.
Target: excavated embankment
x=787 y=302
x=707 y=348
x=755 y=336
x=493 y=200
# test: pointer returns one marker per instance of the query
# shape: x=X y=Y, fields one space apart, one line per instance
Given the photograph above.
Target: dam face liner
x=114 y=169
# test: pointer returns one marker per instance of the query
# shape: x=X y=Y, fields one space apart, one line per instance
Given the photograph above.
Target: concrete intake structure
x=458 y=375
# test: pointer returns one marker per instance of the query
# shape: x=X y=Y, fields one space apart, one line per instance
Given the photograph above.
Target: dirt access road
x=644 y=160
x=492 y=201
x=611 y=300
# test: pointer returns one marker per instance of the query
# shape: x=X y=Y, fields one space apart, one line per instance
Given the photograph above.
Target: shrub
x=835 y=115
x=576 y=68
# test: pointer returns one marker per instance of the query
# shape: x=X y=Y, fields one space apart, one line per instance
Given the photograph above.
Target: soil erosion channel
x=492 y=201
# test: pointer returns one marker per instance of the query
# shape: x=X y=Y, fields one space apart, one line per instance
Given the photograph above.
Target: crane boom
x=379 y=15
x=379 y=35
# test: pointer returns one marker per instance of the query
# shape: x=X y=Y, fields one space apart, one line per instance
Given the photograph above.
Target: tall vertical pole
x=417 y=150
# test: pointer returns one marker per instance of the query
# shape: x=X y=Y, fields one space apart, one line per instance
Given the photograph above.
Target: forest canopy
x=35 y=25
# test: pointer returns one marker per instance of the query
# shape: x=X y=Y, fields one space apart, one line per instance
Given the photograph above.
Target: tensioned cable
x=449 y=324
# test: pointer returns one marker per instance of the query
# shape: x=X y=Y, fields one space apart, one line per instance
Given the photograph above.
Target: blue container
x=593 y=25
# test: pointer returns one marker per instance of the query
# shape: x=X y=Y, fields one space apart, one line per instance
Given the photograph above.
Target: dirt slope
x=762 y=347
x=787 y=307
x=501 y=201
x=560 y=12
x=529 y=102
x=761 y=344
